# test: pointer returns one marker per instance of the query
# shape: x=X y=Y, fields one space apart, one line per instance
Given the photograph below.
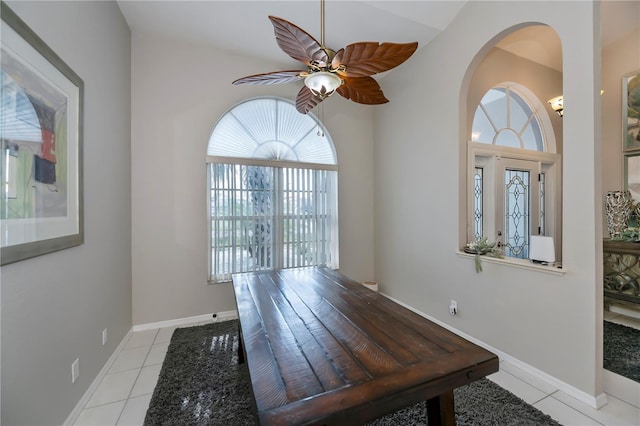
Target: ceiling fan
x=347 y=71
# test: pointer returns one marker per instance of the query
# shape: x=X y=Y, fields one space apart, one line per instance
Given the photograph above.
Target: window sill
x=518 y=263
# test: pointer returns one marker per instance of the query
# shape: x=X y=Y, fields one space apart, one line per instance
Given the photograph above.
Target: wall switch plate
x=75 y=370
x=453 y=307
x=104 y=337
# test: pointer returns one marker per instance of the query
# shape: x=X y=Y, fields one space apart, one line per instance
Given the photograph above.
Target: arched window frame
x=272 y=190
x=486 y=159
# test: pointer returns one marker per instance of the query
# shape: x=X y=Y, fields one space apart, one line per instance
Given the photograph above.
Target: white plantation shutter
x=271 y=129
x=272 y=191
x=308 y=219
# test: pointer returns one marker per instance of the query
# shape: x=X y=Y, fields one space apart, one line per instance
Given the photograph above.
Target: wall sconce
x=557 y=104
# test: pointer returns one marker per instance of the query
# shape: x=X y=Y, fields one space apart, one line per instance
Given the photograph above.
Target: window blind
x=264 y=217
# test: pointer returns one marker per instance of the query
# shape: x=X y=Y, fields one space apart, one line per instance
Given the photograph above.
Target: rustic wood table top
x=324 y=349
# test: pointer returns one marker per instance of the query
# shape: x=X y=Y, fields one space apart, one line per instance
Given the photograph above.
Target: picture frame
x=632 y=174
x=631 y=111
x=41 y=136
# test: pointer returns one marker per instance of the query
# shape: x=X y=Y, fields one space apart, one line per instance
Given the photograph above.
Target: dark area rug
x=621 y=353
x=201 y=383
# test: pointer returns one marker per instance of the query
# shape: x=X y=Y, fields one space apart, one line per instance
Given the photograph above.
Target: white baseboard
x=592 y=401
x=622 y=388
x=71 y=419
x=220 y=316
x=625 y=309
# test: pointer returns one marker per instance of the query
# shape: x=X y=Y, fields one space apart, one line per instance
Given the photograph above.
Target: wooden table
x=324 y=349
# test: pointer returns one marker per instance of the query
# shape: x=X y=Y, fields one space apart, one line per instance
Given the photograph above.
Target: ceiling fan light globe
x=322 y=83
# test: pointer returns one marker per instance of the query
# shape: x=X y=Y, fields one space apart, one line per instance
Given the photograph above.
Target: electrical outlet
x=75 y=370
x=104 y=337
x=453 y=307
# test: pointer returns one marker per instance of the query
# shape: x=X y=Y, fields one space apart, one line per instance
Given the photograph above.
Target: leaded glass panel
x=542 y=230
x=477 y=203
x=516 y=187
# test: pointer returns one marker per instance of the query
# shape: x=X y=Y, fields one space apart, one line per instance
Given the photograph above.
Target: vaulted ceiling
x=243 y=26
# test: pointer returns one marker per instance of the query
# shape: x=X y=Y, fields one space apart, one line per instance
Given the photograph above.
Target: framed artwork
x=41 y=146
x=632 y=175
x=631 y=111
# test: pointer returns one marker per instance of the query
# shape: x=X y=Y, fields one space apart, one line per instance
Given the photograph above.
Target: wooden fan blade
x=368 y=58
x=276 y=77
x=306 y=100
x=337 y=59
x=363 y=90
x=297 y=43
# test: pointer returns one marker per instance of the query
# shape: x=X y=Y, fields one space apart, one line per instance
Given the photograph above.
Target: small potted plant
x=481 y=247
x=631 y=234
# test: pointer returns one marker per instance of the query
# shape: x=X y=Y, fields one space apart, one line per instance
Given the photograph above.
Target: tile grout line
x=550 y=395
x=575 y=409
x=513 y=374
x=545 y=392
x=143 y=365
x=137 y=377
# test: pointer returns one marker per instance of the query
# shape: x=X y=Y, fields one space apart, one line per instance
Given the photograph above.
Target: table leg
x=240 y=346
x=440 y=410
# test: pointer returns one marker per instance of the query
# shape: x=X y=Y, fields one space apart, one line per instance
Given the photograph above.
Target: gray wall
x=619 y=58
x=180 y=90
x=500 y=66
x=54 y=307
x=550 y=322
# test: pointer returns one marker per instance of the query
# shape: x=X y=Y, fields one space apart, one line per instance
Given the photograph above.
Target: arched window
x=272 y=179
x=515 y=173
x=505 y=118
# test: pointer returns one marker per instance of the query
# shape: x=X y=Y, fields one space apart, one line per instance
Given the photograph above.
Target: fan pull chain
x=319 y=118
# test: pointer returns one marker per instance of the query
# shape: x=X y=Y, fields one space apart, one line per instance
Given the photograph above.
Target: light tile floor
x=125 y=392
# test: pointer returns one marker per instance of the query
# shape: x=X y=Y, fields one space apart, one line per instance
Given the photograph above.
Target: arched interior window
x=505 y=118
x=272 y=179
x=515 y=178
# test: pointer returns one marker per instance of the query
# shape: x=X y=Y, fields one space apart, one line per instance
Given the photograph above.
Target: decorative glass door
x=519 y=205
